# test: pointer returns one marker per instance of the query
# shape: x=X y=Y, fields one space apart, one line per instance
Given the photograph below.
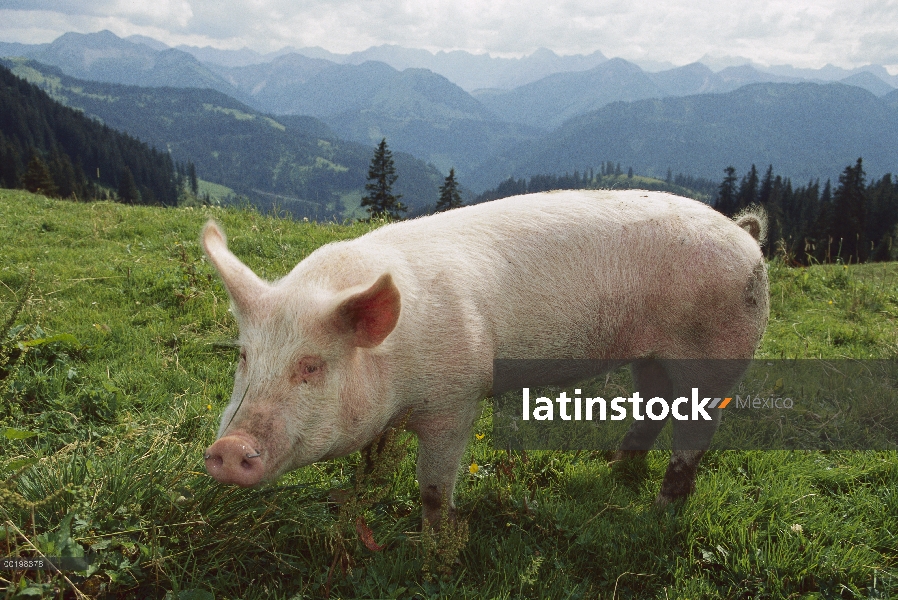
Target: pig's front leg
x=439 y=457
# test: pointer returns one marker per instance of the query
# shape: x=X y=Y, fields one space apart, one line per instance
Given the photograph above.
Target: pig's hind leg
x=692 y=438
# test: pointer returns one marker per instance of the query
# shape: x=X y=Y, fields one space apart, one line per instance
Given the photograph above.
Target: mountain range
x=295 y=162
x=494 y=117
x=468 y=71
x=418 y=111
x=474 y=72
x=808 y=131
x=104 y=56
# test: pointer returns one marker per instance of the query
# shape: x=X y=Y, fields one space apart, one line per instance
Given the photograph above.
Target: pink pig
x=410 y=317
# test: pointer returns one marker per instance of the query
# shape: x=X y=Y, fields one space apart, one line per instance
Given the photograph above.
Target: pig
x=407 y=320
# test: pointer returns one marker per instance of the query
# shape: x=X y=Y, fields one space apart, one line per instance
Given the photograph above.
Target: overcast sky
x=802 y=33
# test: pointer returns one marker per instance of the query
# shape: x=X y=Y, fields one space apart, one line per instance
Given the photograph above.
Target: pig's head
x=308 y=368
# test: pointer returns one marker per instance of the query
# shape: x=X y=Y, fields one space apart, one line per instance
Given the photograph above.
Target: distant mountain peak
x=618 y=64
x=99 y=37
x=869 y=82
x=148 y=42
x=543 y=53
x=695 y=66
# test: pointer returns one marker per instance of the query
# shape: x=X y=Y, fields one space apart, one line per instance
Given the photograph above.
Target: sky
x=797 y=32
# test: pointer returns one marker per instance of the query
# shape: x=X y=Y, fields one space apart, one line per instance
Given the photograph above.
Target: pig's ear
x=242 y=284
x=368 y=316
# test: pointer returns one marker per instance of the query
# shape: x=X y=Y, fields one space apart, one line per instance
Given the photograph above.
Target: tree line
x=52 y=149
x=609 y=175
x=853 y=221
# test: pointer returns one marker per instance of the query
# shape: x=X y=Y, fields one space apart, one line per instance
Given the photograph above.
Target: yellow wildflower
x=474 y=468
x=479 y=436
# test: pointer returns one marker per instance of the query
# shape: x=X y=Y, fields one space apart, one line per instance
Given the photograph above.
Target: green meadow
x=119 y=361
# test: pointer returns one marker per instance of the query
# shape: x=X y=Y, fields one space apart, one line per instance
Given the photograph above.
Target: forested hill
x=52 y=148
x=293 y=162
x=809 y=131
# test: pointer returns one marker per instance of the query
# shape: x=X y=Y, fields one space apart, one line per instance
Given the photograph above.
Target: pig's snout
x=234 y=459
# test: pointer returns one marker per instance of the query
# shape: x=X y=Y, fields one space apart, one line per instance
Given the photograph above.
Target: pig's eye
x=309 y=369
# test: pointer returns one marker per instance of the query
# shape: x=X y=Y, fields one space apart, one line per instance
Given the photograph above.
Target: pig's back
x=569 y=274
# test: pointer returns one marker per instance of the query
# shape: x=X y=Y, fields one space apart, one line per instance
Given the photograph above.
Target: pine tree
x=780 y=199
x=127 y=188
x=63 y=174
x=748 y=189
x=10 y=163
x=191 y=177
x=381 y=177
x=726 y=193
x=882 y=216
x=766 y=187
x=849 y=213
x=820 y=230
x=827 y=195
x=37 y=177
x=450 y=197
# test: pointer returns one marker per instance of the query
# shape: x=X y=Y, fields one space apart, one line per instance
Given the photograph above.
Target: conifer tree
x=849 y=213
x=450 y=197
x=191 y=177
x=748 y=189
x=10 y=164
x=127 y=188
x=766 y=187
x=882 y=215
x=37 y=177
x=827 y=195
x=726 y=193
x=381 y=177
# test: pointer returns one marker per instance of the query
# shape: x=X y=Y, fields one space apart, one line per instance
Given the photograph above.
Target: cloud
x=801 y=32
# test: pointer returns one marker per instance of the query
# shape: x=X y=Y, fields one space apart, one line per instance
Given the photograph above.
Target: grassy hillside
x=129 y=366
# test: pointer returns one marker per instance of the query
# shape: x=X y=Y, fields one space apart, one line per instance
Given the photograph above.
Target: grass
x=216 y=191
x=105 y=420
